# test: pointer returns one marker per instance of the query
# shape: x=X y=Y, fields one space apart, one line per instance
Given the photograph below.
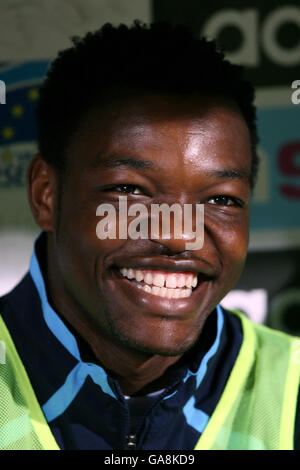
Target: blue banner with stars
x=17 y=119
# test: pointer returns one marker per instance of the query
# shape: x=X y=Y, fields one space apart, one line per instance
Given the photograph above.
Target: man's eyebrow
x=117 y=161
x=136 y=163
x=230 y=173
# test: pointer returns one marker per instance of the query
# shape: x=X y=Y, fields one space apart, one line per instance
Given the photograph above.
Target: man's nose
x=181 y=229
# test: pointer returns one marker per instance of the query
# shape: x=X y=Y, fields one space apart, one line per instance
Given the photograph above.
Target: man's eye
x=225 y=201
x=127 y=188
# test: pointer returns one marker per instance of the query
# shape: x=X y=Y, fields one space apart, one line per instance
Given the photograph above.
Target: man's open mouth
x=171 y=285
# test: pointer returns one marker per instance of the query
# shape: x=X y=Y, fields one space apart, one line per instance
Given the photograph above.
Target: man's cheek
x=235 y=262
x=120 y=225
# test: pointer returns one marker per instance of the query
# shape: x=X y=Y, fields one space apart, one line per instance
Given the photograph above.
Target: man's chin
x=154 y=344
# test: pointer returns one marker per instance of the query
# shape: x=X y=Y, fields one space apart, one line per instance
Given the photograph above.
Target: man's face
x=153 y=149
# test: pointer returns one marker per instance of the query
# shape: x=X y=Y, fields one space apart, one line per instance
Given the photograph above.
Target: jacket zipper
x=131 y=439
x=131 y=442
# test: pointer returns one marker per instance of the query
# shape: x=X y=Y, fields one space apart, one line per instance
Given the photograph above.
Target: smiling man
x=121 y=342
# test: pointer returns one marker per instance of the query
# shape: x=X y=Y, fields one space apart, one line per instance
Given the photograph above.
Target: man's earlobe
x=41 y=190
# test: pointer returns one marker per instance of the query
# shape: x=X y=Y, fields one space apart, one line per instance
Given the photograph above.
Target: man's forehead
x=148 y=118
x=190 y=123
x=123 y=134
x=159 y=107
x=194 y=105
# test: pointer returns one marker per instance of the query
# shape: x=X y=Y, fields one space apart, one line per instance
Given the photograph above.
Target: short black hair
x=159 y=57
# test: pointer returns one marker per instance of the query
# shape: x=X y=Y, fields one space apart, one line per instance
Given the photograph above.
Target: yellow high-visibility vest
x=255 y=412
x=257 y=408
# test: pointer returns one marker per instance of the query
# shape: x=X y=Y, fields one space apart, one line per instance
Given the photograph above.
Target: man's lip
x=166 y=264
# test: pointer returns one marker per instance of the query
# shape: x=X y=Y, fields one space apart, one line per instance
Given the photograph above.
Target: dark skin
x=197 y=150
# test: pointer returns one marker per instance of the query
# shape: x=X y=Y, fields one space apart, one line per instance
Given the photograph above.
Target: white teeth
x=163 y=292
x=139 y=276
x=171 y=281
x=168 y=293
x=155 y=290
x=130 y=273
x=169 y=285
x=148 y=278
x=147 y=289
x=177 y=293
x=189 y=280
x=158 y=279
x=124 y=271
x=181 y=280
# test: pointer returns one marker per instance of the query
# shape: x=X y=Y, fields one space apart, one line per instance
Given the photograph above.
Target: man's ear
x=42 y=184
